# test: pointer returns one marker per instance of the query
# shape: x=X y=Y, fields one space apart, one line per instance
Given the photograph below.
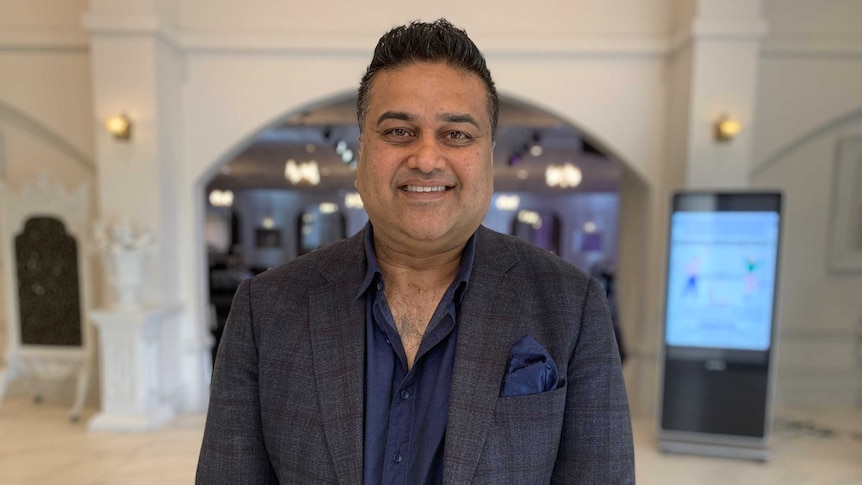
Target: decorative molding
x=712 y=30
x=132 y=25
x=45 y=134
x=753 y=29
x=808 y=47
x=362 y=43
x=273 y=43
x=845 y=242
x=818 y=333
x=44 y=39
x=357 y=43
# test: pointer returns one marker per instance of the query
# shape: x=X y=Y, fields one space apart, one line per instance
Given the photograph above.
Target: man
x=426 y=348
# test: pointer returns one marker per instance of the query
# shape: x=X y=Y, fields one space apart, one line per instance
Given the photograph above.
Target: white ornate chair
x=43 y=235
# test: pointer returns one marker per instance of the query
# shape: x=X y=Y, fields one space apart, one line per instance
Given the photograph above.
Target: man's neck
x=408 y=270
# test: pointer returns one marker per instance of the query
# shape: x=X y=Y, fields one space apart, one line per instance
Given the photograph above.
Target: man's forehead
x=399 y=96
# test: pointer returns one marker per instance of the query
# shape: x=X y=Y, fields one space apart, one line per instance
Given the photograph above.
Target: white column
x=719 y=57
x=138 y=69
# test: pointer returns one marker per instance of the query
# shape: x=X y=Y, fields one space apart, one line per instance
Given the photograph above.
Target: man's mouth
x=420 y=188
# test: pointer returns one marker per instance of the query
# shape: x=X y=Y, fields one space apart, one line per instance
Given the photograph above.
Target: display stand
x=717 y=361
x=131 y=368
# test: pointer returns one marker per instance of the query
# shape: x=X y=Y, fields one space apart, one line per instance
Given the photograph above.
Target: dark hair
x=438 y=41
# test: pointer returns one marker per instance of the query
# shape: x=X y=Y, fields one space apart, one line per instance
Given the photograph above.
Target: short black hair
x=437 y=41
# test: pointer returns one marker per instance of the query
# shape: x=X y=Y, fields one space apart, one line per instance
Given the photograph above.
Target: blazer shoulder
x=528 y=257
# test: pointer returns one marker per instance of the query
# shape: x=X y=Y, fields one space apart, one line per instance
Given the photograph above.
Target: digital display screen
x=721 y=279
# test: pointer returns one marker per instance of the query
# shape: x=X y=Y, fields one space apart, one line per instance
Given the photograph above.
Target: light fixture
x=328 y=207
x=221 y=198
x=302 y=172
x=564 y=176
x=507 y=202
x=352 y=200
x=726 y=128
x=532 y=218
x=120 y=126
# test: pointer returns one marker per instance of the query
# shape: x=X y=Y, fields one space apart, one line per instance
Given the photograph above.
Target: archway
x=543 y=162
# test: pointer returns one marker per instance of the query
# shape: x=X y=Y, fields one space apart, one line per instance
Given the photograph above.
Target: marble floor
x=38 y=445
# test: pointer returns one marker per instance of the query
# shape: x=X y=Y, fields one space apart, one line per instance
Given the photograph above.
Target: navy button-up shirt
x=405 y=412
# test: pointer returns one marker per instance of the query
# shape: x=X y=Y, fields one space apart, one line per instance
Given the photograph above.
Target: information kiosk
x=719 y=332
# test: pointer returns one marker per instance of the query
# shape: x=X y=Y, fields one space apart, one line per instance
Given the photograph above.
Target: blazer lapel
x=487 y=320
x=337 y=322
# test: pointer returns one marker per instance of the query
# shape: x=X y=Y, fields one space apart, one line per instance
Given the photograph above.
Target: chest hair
x=412 y=309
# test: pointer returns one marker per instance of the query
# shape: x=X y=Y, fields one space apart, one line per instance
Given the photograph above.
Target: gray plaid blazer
x=286 y=402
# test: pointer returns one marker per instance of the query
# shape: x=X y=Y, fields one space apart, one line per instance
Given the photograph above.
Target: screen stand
x=688 y=448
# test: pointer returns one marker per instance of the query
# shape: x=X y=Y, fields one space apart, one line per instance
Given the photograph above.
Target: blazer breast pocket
x=524 y=438
x=542 y=406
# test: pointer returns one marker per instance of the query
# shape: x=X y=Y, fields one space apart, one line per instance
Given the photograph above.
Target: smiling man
x=426 y=348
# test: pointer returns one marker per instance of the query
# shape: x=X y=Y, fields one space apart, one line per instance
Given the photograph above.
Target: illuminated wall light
x=536 y=150
x=296 y=173
x=726 y=128
x=120 y=126
x=221 y=198
x=267 y=222
x=352 y=200
x=522 y=174
x=530 y=217
x=328 y=207
x=590 y=227
x=565 y=176
x=507 y=202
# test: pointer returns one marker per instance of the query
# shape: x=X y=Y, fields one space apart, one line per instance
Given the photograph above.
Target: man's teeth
x=417 y=188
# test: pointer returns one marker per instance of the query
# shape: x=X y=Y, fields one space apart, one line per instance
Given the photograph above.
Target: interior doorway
x=290 y=190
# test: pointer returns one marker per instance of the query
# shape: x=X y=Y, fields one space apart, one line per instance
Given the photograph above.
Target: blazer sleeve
x=596 y=444
x=233 y=450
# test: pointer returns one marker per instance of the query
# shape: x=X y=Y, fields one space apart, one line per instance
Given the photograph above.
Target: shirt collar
x=373 y=274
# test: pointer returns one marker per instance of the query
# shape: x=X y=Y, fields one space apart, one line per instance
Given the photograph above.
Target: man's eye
x=399 y=132
x=457 y=136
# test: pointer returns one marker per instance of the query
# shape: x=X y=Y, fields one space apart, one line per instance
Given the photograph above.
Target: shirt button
x=397 y=457
x=405 y=394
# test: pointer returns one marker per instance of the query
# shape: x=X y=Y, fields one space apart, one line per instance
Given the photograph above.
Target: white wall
x=504 y=18
x=809 y=96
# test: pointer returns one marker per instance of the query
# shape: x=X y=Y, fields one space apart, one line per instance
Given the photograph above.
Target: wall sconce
x=120 y=126
x=726 y=128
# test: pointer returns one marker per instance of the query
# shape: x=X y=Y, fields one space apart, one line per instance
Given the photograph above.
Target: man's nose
x=428 y=156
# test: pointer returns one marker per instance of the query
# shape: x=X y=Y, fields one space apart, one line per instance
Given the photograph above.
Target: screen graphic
x=721 y=279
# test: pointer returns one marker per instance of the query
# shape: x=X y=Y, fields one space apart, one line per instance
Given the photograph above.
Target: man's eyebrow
x=458 y=118
x=395 y=115
x=446 y=117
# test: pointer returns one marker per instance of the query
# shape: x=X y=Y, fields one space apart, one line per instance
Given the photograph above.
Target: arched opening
x=299 y=170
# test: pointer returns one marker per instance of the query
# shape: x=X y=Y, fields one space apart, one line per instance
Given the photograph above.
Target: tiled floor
x=38 y=445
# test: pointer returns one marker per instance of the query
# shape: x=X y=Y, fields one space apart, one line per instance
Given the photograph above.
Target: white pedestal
x=130 y=344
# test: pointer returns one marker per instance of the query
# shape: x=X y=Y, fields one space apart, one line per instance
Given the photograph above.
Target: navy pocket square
x=531 y=369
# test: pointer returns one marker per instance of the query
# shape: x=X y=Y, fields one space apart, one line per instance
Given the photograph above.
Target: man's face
x=425 y=170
